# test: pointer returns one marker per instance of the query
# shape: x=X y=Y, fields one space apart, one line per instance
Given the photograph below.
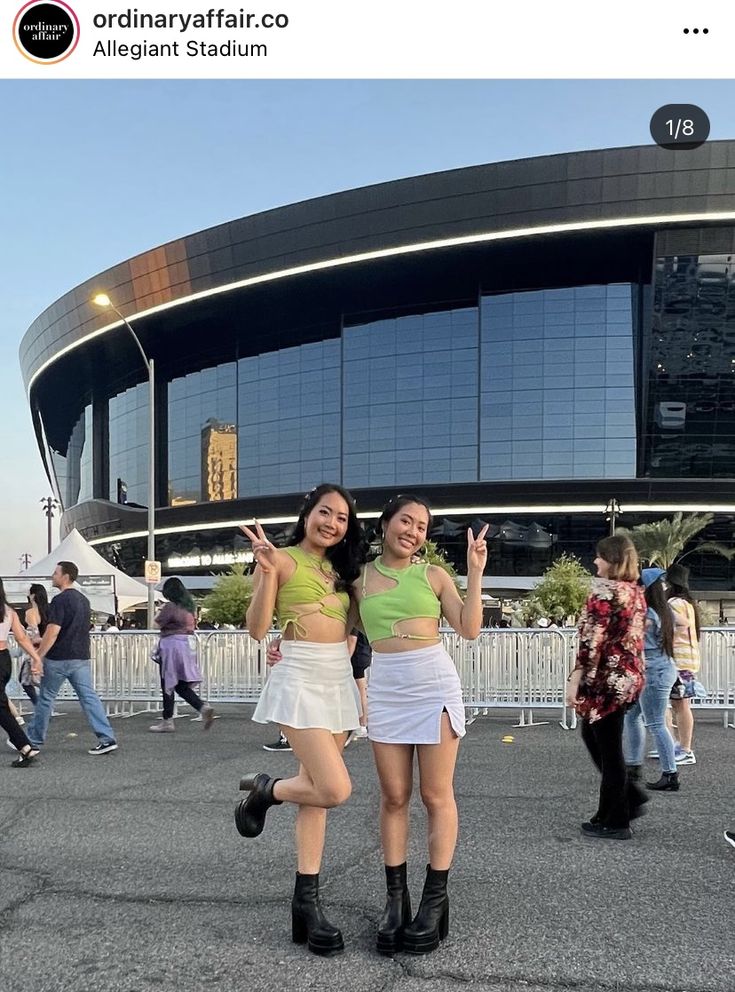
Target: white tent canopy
x=74 y=548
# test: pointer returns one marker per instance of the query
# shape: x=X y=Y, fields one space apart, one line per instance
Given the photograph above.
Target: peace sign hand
x=476 y=549
x=265 y=553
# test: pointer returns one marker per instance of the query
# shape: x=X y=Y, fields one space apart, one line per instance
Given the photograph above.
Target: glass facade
x=128 y=445
x=73 y=467
x=536 y=385
x=690 y=369
x=289 y=419
x=557 y=392
x=202 y=436
x=410 y=400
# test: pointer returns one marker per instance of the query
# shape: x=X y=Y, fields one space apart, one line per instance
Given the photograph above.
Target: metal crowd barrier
x=523 y=670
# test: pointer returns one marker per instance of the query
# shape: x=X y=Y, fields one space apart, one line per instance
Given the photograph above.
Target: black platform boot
x=250 y=812
x=637 y=798
x=397 y=913
x=431 y=924
x=308 y=923
x=669 y=782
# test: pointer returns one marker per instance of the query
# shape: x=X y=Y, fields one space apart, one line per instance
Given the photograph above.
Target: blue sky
x=93 y=172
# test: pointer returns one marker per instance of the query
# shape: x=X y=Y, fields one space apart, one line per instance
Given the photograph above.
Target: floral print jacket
x=610 y=653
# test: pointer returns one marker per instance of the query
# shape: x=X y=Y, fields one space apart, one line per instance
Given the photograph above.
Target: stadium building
x=539 y=344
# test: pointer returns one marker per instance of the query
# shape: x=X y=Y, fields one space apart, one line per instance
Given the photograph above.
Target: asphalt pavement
x=124 y=873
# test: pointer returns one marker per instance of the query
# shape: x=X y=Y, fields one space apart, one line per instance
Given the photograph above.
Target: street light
x=612 y=511
x=103 y=300
x=49 y=504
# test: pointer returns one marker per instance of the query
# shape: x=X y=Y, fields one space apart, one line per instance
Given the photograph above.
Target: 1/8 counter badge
x=46 y=31
x=680 y=125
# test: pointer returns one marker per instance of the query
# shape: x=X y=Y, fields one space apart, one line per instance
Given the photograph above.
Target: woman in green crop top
x=415 y=705
x=311 y=694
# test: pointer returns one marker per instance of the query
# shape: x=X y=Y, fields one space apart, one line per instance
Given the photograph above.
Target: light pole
x=25 y=560
x=103 y=300
x=49 y=504
x=612 y=511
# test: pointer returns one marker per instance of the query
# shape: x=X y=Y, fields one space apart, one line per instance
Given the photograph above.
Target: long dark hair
x=677 y=591
x=347 y=557
x=176 y=592
x=40 y=598
x=657 y=600
x=395 y=505
x=3 y=603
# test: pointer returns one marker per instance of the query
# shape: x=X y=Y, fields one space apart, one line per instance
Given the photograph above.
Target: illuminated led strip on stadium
x=451 y=511
x=468 y=239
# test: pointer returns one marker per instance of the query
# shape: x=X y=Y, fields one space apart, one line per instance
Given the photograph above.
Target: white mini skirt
x=311 y=686
x=407 y=694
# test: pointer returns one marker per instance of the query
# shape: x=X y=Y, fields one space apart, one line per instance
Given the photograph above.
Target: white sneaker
x=653 y=753
x=685 y=758
x=163 y=727
x=360 y=734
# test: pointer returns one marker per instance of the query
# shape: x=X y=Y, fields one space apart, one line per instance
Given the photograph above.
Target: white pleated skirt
x=407 y=693
x=311 y=686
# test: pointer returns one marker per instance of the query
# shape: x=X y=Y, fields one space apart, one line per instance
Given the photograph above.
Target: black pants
x=186 y=692
x=604 y=740
x=7 y=721
x=32 y=693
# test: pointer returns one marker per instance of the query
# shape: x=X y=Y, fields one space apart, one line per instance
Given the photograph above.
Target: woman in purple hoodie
x=180 y=670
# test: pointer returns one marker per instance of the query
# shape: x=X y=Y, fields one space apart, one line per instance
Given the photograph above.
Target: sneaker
x=280 y=745
x=682 y=757
x=360 y=734
x=25 y=760
x=207 y=716
x=103 y=748
x=163 y=727
x=730 y=837
x=653 y=753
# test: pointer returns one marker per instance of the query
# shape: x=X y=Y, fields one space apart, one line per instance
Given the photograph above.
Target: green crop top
x=305 y=592
x=412 y=598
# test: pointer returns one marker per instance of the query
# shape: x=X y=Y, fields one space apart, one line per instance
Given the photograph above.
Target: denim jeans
x=79 y=673
x=651 y=711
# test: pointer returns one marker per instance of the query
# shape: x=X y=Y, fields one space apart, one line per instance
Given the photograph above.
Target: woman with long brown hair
x=608 y=677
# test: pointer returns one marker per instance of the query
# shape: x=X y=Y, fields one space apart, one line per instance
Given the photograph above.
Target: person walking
x=9 y=623
x=415 y=708
x=360 y=659
x=310 y=694
x=66 y=656
x=36 y=619
x=660 y=672
x=687 y=628
x=608 y=677
x=180 y=670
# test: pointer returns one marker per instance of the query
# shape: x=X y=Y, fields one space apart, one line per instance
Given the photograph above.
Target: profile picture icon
x=46 y=31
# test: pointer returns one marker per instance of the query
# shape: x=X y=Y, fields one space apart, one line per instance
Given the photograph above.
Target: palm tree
x=661 y=543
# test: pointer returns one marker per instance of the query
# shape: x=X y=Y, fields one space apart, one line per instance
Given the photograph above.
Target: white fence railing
x=525 y=670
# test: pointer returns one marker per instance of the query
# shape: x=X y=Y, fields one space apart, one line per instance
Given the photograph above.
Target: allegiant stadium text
x=174 y=49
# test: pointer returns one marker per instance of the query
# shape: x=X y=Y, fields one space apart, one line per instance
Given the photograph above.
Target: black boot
x=250 y=812
x=637 y=798
x=431 y=923
x=669 y=782
x=308 y=923
x=397 y=913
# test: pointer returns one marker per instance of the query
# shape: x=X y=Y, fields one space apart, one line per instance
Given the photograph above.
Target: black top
x=70 y=610
x=361 y=656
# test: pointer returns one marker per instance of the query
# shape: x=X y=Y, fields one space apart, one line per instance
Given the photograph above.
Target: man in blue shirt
x=65 y=654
